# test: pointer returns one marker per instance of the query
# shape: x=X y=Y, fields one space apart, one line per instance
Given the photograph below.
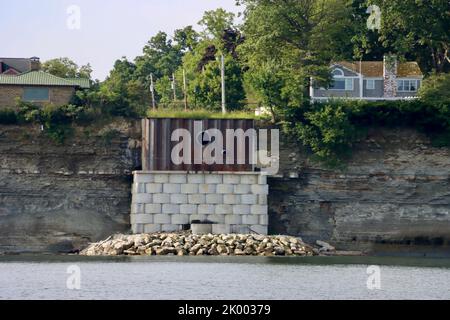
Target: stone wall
x=166 y=201
x=61 y=197
x=395 y=189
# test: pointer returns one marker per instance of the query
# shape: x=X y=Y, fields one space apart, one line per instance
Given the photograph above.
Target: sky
x=108 y=29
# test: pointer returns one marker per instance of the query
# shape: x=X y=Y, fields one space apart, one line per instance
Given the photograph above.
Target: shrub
x=435 y=90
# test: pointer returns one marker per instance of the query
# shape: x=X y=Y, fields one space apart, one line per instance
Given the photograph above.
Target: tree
x=298 y=38
x=66 y=68
x=215 y=22
x=418 y=29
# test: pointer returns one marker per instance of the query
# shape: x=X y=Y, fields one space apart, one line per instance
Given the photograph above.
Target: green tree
x=298 y=38
x=215 y=22
x=66 y=68
x=418 y=29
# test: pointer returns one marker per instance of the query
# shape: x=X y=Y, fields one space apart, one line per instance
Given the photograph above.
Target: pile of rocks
x=188 y=244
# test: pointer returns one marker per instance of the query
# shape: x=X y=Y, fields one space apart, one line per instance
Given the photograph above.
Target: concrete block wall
x=166 y=201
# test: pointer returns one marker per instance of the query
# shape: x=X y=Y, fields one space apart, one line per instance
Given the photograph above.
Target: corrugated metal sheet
x=157 y=145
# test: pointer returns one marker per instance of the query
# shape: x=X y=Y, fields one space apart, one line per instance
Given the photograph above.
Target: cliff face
x=395 y=189
x=60 y=197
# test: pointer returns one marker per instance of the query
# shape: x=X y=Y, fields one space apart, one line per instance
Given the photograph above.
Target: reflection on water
x=45 y=277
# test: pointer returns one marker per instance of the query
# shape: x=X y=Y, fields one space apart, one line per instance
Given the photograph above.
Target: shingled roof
x=40 y=78
x=374 y=69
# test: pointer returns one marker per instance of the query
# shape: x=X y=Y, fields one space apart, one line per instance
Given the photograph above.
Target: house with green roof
x=35 y=86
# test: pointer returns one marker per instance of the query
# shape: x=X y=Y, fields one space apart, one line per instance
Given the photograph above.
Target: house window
x=36 y=94
x=407 y=85
x=370 y=84
x=342 y=84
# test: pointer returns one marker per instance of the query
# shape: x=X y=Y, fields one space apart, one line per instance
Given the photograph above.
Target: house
x=22 y=79
x=371 y=80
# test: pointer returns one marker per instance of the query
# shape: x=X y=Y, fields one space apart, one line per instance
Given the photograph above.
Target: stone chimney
x=390 y=66
x=35 y=64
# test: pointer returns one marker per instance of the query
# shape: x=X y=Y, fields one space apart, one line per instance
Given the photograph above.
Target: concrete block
x=263 y=220
x=224 y=209
x=213 y=178
x=216 y=218
x=225 y=188
x=201 y=228
x=262 y=200
x=250 y=219
x=214 y=199
x=161 y=177
x=170 y=227
x=142 y=198
x=206 y=188
x=180 y=219
x=178 y=198
x=137 y=228
x=258 y=209
x=260 y=189
x=196 y=178
x=262 y=179
x=190 y=188
x=240 y=209
x=154 y=188
x=259 y=229
x=197 y=199
x=138 y=188
x=221 y=229
x=188 y=209
x=198 y=217
x=240 y=229
x=206 y=209
x=249 y=179
x=231 y=179
x=143 y=178
x=152 y=228
x=178 y=178
x=141 y=218
x=170 y=209
x=249 y=199
x=233 y=219
x=161 y=218
x=161 y=198
x=153 y=208
x=137 y=208
x=242 y=189
x=171 y=188
x=231 y=199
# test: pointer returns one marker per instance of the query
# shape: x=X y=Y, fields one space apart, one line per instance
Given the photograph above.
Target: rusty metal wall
x=157 y=145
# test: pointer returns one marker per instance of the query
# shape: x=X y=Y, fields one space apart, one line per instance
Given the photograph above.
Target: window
x=407 y=85
x=342 y=84
x=337 y=73
x=370 y=84
x=36 y=94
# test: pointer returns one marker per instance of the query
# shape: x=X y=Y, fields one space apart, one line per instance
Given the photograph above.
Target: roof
x=40 y=78
x=375 y=68
x=83 y=83
x=20 y=64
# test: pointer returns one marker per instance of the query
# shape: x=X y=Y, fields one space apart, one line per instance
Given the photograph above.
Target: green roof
x=40 y=78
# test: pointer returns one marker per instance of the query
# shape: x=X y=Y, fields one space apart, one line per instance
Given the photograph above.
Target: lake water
x=45 y=277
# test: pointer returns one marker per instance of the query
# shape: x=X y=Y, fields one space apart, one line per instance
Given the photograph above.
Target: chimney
x=390 y=65
x=35 y=64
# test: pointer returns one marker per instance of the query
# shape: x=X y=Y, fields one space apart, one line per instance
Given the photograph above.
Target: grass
x=200 y=114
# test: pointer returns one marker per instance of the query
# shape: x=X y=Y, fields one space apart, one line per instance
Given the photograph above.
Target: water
x=205 y=278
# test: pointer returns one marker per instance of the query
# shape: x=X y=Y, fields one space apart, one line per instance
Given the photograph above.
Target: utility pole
x=152 y=90
x=174 y=88
x=185 y=91
x=222 y=72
